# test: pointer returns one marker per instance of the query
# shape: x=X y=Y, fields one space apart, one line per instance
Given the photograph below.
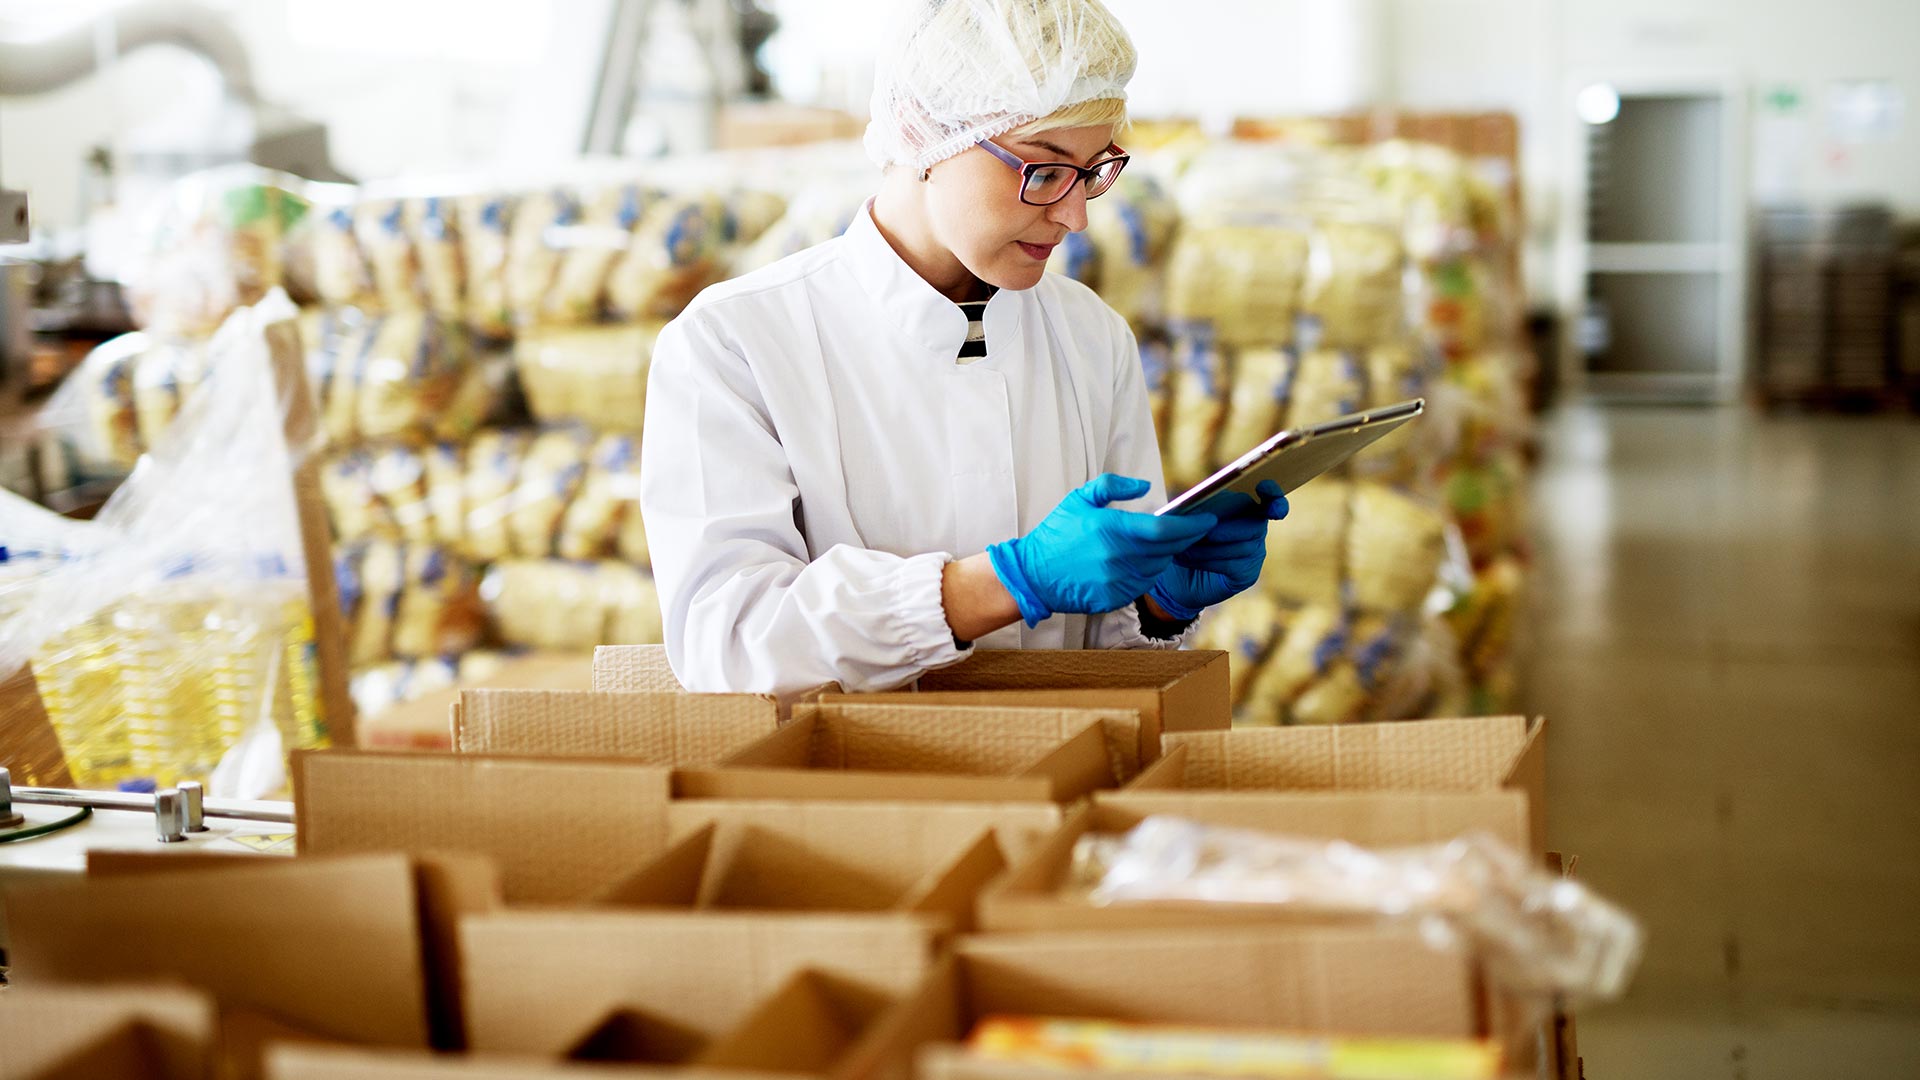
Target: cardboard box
x=332 y=947
x=644 y=669
x=861 y=750
x=421 y=723
x=814 y=1025
x=885 y=842
x=132 y=1032
x=1355 y=980
x=805 y=868
x=1171 y=691
x=542 y=982
x=1494 y=769
x=654 y=728
x=557 y=829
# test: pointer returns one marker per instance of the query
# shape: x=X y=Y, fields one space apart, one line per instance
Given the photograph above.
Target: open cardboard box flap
x=1171 y=691
x=328 y=946
x=1481 y=755
x=887 y=842
x=108 y=1032
x=860 y=750
x=558 y=829
x=539 y=982
x=654 y=728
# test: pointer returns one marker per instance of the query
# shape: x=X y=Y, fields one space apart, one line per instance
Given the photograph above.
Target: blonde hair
x=1110 y=112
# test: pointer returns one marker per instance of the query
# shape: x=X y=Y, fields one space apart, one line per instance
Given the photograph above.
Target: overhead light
x=1597 y=104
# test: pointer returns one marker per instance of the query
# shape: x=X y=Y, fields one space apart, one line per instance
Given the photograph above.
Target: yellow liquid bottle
x=79 y=675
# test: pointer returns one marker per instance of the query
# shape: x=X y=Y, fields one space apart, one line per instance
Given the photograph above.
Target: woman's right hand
x=1089 y=558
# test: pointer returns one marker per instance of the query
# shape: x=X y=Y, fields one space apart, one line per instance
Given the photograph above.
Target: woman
x=910 y=441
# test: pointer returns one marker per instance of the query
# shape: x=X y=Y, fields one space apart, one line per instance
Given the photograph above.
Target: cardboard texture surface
x=1039 y=895
x=815 y=1023
x=147 y=1032
x=1171 y=691
x=540 y=981
x=800 y=868
x=651 y=728
x=341 y=1063
x=631 y=668
x=328 y=946
x=558 y=830
x=421 y=724
x=887 y=845
x=1482 y=754
x=854 y=750
x=29 y=747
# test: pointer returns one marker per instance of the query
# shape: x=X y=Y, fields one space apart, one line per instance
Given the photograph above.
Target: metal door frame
x=1575 y=261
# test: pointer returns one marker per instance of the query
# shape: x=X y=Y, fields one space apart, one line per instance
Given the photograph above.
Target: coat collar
x=916 y=308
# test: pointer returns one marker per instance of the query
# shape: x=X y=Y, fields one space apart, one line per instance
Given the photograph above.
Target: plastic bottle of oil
x=168 y=677
x=78 y=671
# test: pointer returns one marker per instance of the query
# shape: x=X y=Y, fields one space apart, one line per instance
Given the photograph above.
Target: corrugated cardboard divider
x=1038 y=894
x=557 y=829
x=340 y=1063
x=650 y=728
x=756 y=867
x=330 y=947
x=1350 y=980
x=889 y=844
x=817 y=1023
x=1479 y=754
x=116 y=1032
x=538 y=982
x=645 y=668
x=851 y=750
x=449 y=886
x=1172 y=691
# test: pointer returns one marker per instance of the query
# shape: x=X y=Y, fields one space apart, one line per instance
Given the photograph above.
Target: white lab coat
x=814 y=455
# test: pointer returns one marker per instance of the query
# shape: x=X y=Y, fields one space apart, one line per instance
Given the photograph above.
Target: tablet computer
x=1297 y=455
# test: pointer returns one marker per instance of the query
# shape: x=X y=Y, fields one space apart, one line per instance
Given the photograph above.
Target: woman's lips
x=1036 y=251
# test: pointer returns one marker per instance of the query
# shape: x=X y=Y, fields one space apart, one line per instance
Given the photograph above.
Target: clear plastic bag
x=1538 y=934
x=213 y=242
x=178 y=619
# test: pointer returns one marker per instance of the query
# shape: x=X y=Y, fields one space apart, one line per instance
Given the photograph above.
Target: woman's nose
x=1071 y=212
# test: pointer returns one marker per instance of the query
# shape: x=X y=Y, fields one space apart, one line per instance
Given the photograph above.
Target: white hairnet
x=955 y=72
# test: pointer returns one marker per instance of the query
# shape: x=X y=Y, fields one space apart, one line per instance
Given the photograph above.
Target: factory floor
x=1726 y=642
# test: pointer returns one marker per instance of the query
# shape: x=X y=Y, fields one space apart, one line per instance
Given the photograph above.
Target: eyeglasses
x=1043 y=183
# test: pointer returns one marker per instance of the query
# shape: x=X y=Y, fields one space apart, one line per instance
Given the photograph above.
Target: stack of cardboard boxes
x=618 y=882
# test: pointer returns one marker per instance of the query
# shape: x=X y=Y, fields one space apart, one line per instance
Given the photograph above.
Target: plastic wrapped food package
x=1355 y=290
x=1330 y=383
x=607 y=507
x=174 y=630
x=1107 y=1047
x=1395 y=547
x=817 y=214
x=1307 y=553
x=596 y=375
x=397 y=477
x=1156 y=364
x=534 y=253
x=550 y=475
x=493 y=467
x=675 y=253
x=1242 y=280
x=593 y=246
x=1309 y=640
x=434 y=223
x=211 y=244
x=1257 y=399
x=556 y=604
x=753 y=212
x=346 y=483
x=1198 y=405
x=398 y=374
x=1538 y=933
x=380 y=225
x=485 y=225
x=445 y=468
x=1245 y=628
x=341 y=276
x=406 y=601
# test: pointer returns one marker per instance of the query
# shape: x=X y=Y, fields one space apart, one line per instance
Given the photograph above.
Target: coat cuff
x=919 y=621
x=1121 y=630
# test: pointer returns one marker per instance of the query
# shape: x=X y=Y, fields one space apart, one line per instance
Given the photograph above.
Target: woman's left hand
x=1226 y=561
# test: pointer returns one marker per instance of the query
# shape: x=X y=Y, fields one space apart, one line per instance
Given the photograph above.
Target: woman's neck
x=900 y=215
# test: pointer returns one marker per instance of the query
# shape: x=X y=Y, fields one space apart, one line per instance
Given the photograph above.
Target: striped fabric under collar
x=975 y=346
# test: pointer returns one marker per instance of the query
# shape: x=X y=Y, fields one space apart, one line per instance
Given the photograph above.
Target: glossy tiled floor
x=1727 y=643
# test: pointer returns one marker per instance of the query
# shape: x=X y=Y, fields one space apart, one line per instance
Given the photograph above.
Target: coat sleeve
x=1133 y=449
x=745 y=609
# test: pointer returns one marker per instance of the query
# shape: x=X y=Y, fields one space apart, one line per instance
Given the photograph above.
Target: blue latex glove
x=1227 y=560
x=1089 y=558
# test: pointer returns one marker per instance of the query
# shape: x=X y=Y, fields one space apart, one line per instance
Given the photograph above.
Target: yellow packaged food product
x=1242 y=280
x=343 y=350
x=438 y=613
x=599 y=240
x=1395 y=545
x=346 y=485
x=550 y=476
x=1330 y=384
x=380 y=574
x=633 y=606
x=1313 y=638
x=1156 y=363
x=1337 y=697
x=753 y=213
x=398 y=478
x=1306 y=553
x=380 y=226
x=485 y=223
x=340 y=272
x=446 y=476
x=1262 y=381
x=1199 y=404
x=608 y=494
x=673 y=256
x=545 y=603
x=1355 y=291
x=112 y=414
x=411 y=369
x=493 y=467
x=533 y=252
x=434 y=224
x=596 y=375
x=1245 y=628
